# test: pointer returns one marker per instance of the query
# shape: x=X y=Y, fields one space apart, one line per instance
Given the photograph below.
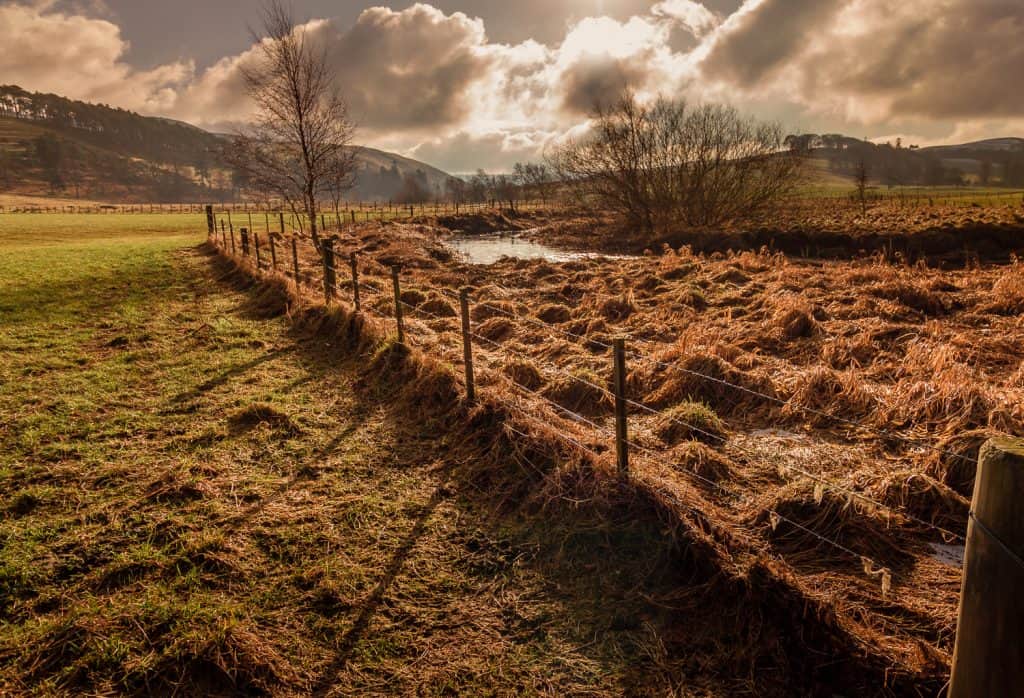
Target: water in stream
x=488 y=249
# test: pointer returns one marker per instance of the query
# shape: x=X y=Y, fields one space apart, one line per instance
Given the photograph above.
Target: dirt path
x=196 y=497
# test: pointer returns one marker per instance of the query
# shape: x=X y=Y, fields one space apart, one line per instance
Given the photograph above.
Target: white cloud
x=80 y=57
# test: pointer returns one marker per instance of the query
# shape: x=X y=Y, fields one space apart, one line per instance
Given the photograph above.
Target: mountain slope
x=50 y=145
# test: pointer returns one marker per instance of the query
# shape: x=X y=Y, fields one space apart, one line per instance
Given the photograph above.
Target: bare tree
x=860 y=179
x=299 y=145
x=535 y=179
x=665 y=164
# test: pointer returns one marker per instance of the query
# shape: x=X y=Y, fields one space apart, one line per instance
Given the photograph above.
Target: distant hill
x=54 y=146
x=993 y=162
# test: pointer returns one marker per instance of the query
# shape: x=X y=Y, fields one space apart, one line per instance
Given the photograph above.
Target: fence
x=366 y=290
x=347 y=211
x=353 y=212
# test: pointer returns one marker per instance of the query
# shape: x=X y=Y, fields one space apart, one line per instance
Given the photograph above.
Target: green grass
x=34 y=229
x=192 y=497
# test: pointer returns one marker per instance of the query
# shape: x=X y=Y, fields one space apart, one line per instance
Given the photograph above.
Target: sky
x=463 y=84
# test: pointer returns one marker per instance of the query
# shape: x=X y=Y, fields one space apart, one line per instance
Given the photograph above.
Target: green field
x=31 y=229
x=193 y=498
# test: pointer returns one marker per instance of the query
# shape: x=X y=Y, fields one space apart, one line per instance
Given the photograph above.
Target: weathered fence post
x=273 y=250
x=209 y=219
x=398 y=305
x=233 y=249
x=281 y=213
x=621 y=432
x=988 y=657
x=256 y=244
x=467 y=344
x=295 y=262
x=355 y=280
x=329 y=276
x=244 y=233
x=323 y=223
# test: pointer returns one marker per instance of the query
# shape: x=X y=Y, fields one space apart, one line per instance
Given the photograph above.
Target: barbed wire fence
x=411 y=322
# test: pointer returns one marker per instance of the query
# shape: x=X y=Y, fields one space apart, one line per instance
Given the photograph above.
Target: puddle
x=488 y=249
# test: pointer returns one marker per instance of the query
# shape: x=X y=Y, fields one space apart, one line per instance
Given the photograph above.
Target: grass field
x=195 y=498
x=35 y=229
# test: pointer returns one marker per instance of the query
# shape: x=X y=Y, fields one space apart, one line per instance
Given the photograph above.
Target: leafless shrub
x=668 y=164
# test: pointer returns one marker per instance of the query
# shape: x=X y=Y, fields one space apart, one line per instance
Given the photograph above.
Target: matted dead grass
x=875 y=365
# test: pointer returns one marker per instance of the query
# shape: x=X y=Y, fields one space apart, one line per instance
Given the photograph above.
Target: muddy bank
x=986 y=242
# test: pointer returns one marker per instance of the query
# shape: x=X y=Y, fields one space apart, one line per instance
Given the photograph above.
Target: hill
x=54 y=146
x=995 y=162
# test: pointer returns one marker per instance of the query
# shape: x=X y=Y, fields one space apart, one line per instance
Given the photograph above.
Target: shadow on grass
x=371 y=605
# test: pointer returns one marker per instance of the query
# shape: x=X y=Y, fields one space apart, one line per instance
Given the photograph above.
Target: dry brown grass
x=875 y=364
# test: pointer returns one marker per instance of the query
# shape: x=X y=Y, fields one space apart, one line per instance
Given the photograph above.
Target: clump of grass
x=413 y=297
x=1008 y=291
x=496 y=329
x=493 y=308
x=524 y=373
x=617 y=309
x=703 y=461
x=732 y=276
x=703 y=376
x=911 y=295
x=953 y=399
x=580 y=392
x=172 y=488
x=825 y=390
x=261 y=413
x=794 y=319
x=554 y=314
x=437 y=305
x=919 y=495
x=689 y=421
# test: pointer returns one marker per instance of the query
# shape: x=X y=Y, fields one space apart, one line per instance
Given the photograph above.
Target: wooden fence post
x=295 y=261
x=256 y=244
x=209 y=219
x=467 y=344
x=273 y=250
x=281 y=213
x=988 y=658
x=621 y=432
x=398 y=305
x=233 y=249
x=329 y=277
x=355 y=280
x=244 y=233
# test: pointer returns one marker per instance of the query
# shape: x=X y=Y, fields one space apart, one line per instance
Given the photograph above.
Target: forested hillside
x=53 y=146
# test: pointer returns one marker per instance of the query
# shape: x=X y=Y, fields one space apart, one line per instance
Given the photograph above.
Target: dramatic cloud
x=874 y=60
x=80 y=57
x=434 y=85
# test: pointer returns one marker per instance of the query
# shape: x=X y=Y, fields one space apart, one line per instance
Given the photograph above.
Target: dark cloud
x=409 y=69
x=877 y=60
x=599 y=80
x=763 y=36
